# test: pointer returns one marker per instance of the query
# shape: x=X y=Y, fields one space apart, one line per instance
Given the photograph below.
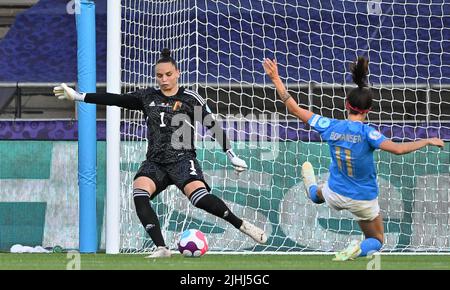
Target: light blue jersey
x=352 y=170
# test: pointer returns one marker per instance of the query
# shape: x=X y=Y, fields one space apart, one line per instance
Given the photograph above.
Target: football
x=192 y=243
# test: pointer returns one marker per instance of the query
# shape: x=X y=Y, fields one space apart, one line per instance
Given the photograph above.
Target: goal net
x=219 y=46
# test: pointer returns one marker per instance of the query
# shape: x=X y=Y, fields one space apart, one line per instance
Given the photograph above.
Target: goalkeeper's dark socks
x=369 y=246
x=147 y=216
x=201 y=198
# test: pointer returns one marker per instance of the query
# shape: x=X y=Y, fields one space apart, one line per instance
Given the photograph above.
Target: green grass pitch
x=220 y=262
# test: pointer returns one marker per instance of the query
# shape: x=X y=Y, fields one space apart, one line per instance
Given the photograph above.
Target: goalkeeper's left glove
x=238 y=163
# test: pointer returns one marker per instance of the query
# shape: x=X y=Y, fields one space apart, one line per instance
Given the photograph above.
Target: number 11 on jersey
x=347 y=160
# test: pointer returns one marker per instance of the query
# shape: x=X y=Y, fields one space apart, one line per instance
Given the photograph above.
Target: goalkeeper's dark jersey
x=170 y=120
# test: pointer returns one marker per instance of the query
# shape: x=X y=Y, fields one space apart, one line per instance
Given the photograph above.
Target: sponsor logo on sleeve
x=374 y=135
x=324 y=122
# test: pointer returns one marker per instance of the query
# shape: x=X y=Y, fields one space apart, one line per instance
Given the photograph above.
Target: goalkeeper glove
x=64 y=92
x=238 y=163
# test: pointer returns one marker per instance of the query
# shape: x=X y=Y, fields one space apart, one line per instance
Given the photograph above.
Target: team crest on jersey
x=375 y=135
x=177 y=105
x=324 y=122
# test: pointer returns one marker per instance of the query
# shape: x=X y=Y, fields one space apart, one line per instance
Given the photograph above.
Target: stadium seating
x=38 y=49
x=44 y=35
x=40 y=46
x=8 y=11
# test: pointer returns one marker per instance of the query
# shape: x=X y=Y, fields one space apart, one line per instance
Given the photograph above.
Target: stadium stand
x=27 y=56
x=38 y=50
x=8 y=11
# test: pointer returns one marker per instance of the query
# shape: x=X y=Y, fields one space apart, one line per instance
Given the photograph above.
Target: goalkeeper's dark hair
x=359 y=100
x=165 y=57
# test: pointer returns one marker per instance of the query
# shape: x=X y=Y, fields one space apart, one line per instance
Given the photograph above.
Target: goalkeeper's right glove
x=64 y=92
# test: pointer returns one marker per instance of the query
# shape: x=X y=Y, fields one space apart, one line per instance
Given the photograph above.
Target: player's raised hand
x=271 y=68
x=239 y=164
x=64 y=92
x=436 y=142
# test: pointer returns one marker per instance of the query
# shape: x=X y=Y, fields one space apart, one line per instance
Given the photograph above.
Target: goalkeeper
x=171 y=157
x=352 y=184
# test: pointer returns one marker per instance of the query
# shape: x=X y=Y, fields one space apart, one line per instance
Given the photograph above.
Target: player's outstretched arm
x=219 y=134
x=221 y=137
x=129 y=101
x=64 y=92
x=407 y=147
x=271 y=69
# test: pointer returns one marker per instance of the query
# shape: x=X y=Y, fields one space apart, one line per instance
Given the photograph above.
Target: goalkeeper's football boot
x=351 y=252
x=309 y=178
x=160 y=252
x=254 y=232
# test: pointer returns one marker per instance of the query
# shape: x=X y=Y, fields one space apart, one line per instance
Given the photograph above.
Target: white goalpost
x=113 y=80
x=219 y=46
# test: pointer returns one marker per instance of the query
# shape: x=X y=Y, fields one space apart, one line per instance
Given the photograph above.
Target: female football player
x=352 y=184
x=170 y=111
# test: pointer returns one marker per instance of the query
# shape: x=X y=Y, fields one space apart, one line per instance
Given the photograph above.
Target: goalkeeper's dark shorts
x=179 y=173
